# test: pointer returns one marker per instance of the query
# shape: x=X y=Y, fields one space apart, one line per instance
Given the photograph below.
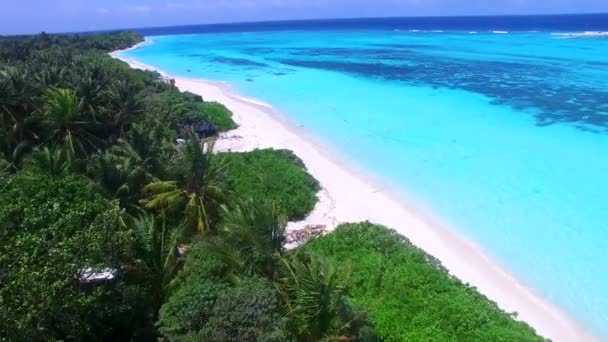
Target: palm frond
x=159 y=243
x=52 y=161
x=312 y=295
x=170 y=200
x=160 y=187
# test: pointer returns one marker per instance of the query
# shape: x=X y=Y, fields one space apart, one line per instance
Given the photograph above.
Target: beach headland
x=349 y=195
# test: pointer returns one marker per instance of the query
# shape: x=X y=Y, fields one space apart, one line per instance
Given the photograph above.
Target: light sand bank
x=349 y=196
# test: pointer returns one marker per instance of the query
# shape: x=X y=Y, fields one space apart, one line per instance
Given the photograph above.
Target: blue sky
x=30 y=16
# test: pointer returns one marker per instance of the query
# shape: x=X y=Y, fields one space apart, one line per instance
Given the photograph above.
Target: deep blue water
x=581 y=22
x=498 y=125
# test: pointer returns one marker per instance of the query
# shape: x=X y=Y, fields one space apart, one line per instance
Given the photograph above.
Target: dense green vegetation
x=94 y=184
x=111 y=228
x=208 y=306
x=53 y=230
x=244 y=274
x=21 y=48
x=410 y=296
x=271 y=174
x=175 y=107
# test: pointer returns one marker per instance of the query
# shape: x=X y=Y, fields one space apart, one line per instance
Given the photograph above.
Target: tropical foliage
x=20 y=48
x=174 y=107
x=252 y=238
x=55 y=232
x=278 y=176
x=93 y=183
x=315 y=301
x=409 y=295
x=158 y=254
x=301 y=294
x=206 y=306
x=195 y=185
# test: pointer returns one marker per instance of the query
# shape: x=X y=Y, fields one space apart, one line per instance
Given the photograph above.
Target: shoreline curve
x=342 y=183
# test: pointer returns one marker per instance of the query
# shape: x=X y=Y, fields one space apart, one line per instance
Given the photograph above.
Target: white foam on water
x=586 y=34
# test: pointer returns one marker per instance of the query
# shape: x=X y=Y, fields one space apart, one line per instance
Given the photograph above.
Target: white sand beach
x=348 y=195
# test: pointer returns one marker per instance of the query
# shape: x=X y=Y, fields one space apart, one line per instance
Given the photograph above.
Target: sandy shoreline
x=349 y=196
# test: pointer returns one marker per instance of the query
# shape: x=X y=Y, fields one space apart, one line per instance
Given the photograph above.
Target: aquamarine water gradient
x=504 y=136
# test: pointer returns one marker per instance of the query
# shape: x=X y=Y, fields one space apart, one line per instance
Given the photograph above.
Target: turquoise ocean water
x=502 y=135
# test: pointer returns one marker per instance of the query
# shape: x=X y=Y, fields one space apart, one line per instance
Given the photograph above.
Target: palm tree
x=89 y=85
x=50 y=73
x=18 y=103
x=159 y=252
x=120 y=177
x=65 y=122
x=196 y=184
x=52 y=161
x=19 y=98
x=148 y=146
x=52 y=76
x=123 y=106
x=313 y=297
x=12 y=149
x=126 y=168
x=252 y=238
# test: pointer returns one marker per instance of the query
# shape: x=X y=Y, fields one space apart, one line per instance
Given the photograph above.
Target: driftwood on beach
x=302 y=235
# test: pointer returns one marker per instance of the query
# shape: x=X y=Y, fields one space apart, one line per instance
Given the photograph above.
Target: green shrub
x=173 y=107
x=50 y=232
x=218 y=114
x=409 y=295
x=209 y=310
x=249 y=311
x=197 y=287
x=189 y=308
x=202 y=263
x=206 y=306
x=314 y=293
x=192 y=97
x=276 y=176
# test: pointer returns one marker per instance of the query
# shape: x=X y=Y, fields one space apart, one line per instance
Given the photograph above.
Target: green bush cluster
x=275 y=175
x=409 y=295
x=53 y=230
x=92 y=177
x=175 y=107
x=20 y=48
x=207 y=305
x=241 y=286
x=217 y=114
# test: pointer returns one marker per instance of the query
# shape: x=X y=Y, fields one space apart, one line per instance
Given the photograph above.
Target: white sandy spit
x=349 y=196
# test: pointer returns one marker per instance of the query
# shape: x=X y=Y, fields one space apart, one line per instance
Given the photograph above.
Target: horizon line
x=245 y=22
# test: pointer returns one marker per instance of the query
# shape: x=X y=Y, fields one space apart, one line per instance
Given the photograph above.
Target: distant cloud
x=102 y=11
x=140 y=9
